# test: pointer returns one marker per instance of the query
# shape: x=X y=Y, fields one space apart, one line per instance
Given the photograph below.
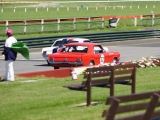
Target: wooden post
x=112 y=82
x=74 y=24
x=7 y=25
x=67 y=8
x=113 y=108
x=48 y=6
x=89 y=88
x=58 y=25
x=153 y=6
x=57 y=8
x=77 y=8
x=147 y=4
x=87 y=7
x=89 y=25
x=2 y=7
x=135 y=21
x=151 y=106
x=42 y=26
x=14 y=7
x=141 y=18
x=25 y=9
x=25 y=29
x=37 y=7
x=102 y=23
x=131 y=5
x=152 y=19
x=133 y=88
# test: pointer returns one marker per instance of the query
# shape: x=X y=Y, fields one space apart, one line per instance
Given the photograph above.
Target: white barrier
x=50 y=4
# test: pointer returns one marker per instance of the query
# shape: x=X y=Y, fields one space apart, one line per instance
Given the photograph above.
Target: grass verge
x=47 y=99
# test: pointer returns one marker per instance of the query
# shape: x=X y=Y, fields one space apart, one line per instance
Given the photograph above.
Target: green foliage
x=41 y=98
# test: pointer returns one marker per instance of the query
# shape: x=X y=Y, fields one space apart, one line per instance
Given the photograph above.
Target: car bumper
x=65 y=64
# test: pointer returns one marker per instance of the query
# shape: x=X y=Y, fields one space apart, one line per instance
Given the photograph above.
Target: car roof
x=74 y=39
x=82 y=44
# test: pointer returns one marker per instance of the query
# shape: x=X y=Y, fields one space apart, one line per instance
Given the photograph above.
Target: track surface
x=130 y=50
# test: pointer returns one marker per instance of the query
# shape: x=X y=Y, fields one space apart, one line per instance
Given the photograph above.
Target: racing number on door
x=101 y=59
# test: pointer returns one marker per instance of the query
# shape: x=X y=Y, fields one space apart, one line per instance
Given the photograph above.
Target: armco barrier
x=40 y=42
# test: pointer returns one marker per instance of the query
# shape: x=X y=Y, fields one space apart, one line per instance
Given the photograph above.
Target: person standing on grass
x=10 y=56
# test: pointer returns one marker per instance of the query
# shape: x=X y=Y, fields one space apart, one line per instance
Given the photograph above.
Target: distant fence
x=53 y=25
x=72 y=24
x=83 y=4
x=150 y=20
x=40 y=42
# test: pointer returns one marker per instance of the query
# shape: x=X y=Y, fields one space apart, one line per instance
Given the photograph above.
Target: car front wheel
x=48 y=63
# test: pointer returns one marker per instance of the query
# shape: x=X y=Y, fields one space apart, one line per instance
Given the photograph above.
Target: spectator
x=10 y=56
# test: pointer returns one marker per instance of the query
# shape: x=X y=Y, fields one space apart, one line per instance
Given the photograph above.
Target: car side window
x=58 y=43
x=86 y=41
x=83 y=49
x=98 y=49
x=63 y=50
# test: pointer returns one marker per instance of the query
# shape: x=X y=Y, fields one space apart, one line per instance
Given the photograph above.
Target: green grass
x=123 y=25
x=46 y=99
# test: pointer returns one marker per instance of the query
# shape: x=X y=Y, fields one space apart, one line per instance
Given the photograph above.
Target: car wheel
x=115 y=60
x=56 y=67
x=48 y=63
x=91 y=63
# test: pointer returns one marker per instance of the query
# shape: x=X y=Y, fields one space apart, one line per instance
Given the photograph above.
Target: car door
x=100 y=55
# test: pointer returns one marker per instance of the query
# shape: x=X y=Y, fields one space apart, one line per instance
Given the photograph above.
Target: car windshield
x=83 y=49
x=57 y=43
x=61 y=43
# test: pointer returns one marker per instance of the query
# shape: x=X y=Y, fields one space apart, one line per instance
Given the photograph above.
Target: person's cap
x=9 y=31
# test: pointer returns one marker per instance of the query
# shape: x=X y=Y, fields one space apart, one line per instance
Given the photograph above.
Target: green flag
x=21 y=48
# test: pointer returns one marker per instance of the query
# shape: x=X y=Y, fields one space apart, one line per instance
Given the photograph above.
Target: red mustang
x=82 y=54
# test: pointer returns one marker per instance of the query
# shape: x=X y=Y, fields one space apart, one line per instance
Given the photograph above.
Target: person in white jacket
x=10 y=56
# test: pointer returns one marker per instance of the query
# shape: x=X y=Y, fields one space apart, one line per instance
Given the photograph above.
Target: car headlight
x=44 y=52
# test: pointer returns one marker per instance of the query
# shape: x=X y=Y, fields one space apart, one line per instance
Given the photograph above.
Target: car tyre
x=91 y=63
x=48 y=63
x=115 y=60
x=56 y=67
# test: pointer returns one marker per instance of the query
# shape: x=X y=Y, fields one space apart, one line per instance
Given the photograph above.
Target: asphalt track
x=130 y=50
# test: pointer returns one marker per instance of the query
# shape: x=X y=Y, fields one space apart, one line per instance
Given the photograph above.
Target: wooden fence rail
x=71 y=24
x=58 y=22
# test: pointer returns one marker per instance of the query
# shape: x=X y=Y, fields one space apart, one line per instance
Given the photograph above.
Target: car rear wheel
x=56 y=67
x=91 y=63
x=48 y=63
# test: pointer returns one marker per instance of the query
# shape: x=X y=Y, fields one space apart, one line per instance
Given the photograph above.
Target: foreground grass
x=46 y=99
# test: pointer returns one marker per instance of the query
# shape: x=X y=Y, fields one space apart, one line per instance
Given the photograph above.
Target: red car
x=82 y=54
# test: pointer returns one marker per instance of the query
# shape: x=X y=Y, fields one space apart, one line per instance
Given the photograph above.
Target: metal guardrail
x=40 y=42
